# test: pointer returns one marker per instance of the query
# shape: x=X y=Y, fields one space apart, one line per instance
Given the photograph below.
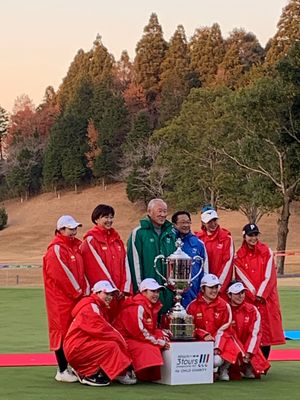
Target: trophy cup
x=179 y=270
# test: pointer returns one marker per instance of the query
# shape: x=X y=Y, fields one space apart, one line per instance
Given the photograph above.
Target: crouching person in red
x=137 y=322
x=95 y=350
x=212 y=318
x=246 y=323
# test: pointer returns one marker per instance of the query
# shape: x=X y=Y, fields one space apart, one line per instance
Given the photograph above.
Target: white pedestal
x=187 y=363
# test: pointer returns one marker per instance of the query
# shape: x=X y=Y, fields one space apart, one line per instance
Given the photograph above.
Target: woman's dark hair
x=233 y=282
x=176 y=215
x=102 y=210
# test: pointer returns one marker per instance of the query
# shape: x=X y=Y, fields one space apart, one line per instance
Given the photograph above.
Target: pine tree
x=100 y=62
x=150 y=52
x=243 y=51
x=175 y=74
x=287 y=34
x=207 y=48
x=124 y=71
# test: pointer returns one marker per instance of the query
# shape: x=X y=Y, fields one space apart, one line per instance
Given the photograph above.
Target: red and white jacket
x=215 y=318
x=64 y=283
x=104 y=257
x=220 y=253
x=246 y=323
x=256 y=269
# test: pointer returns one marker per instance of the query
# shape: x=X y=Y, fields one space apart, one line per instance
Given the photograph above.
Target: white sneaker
x=249 y=373
x=223 y=373
x=128 y=379
x=65 y=376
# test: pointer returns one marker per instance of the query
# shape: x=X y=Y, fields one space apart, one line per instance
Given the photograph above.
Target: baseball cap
x=236 y=287
x=250 y=229
x=210 y=280
x=104 y=286
x=151 y=284
x=66 y=221
x=208 y=215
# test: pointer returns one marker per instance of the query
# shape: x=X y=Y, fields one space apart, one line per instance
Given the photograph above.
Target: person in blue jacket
x=192 y=246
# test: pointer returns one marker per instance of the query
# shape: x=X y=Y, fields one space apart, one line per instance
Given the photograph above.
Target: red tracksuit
x=220 y=252
x=137 y=322
x=92 y=343
x=64 y=283
x=246 y=323
x=256 y=269
x=215 y=318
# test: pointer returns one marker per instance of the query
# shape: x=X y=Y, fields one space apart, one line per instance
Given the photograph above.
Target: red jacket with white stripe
x=215 y=318
x=104 y=258
x=246 y=322
x=256 y=269
x=138 y=320
x=64 y=283
x=220 y=252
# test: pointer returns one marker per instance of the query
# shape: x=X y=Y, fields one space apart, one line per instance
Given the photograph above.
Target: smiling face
x=68 y=232
x=106 y=297
x=183 y=224
x=105 y=221
x=251 y=239
x=210 y=293
x=237 y=299
x=211 y=226
x=151 y=295
x=158 y=213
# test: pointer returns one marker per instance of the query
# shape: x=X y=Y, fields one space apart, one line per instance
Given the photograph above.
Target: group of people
x=105 y=304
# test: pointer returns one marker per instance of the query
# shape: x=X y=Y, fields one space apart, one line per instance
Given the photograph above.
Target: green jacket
x=143 y=245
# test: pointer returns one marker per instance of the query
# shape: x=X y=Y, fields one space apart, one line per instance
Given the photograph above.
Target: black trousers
x=61 y=359
x=266 y=351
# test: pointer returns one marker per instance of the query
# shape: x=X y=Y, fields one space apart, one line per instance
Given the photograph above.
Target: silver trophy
x=179 y=270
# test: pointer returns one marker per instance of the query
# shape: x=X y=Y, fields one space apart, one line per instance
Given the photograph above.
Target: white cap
x=208 y=216
x=151 y=284
x=66 y=221
x=104 y=286
x=236 y=287
x=210 y=280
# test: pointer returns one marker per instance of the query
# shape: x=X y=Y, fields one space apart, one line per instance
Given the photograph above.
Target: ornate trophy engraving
x=179 y=270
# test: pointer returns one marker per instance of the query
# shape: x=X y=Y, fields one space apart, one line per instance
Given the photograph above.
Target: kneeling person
x=246 y=322
x=212 y=318
x=95 y=350
x=137 y=322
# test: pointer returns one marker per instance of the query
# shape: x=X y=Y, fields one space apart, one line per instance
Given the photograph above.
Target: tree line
x=205 y=120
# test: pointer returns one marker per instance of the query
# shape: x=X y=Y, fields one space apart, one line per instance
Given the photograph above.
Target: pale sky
x=39 y=38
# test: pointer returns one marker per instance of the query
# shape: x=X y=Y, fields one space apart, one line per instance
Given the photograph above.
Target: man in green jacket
x=154 y=236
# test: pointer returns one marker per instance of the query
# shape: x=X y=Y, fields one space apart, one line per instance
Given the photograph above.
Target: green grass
x=37 y=383
x=23 y=329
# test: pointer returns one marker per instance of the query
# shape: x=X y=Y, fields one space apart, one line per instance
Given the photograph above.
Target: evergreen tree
x=100 y=62
x=124 y=71
x=175 y=74
x=207 y=48
x=150 y=52
x=287 y=34
x=110 y=119
x=242 y=52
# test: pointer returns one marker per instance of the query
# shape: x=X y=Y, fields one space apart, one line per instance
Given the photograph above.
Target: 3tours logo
x=192 y=362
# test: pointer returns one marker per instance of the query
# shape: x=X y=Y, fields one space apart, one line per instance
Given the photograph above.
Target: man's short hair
x=152 y=203
x=176 y=215
x=102 y=210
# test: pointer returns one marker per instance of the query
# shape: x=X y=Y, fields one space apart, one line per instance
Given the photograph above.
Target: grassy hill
x=31 y=224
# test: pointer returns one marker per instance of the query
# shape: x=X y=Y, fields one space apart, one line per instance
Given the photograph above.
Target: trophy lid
x=179 y=254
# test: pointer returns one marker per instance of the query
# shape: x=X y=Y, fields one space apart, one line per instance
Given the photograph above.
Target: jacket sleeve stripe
x=66 y=269
x=267 y=275
x=227 y=266
x=127 y=285
x=88 y=288
x=245 y=280
x=223 y=327
x=255 y=333
x=136 y=259
x=144 y=331
x=99 y=260
x=95 y=308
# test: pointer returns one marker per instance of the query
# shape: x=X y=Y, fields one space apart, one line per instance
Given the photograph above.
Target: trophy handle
x=197 y=258
x=160 y=257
